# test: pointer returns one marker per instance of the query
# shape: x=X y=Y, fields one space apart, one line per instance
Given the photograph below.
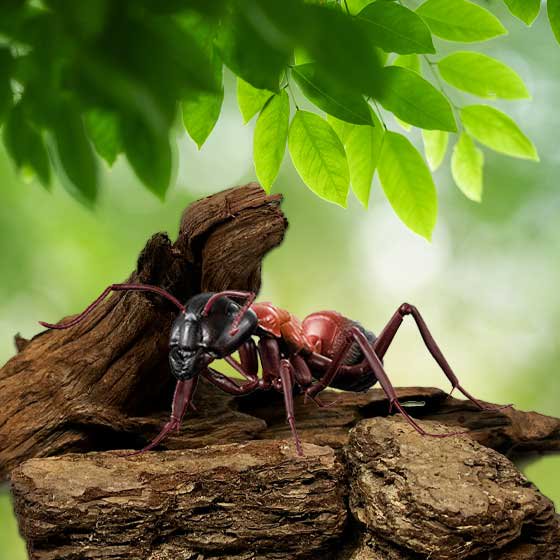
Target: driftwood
x=468 y=499
x=229 y=501
x=70 y=390
x=105 y=385
x=410 y=498
x=220 y=418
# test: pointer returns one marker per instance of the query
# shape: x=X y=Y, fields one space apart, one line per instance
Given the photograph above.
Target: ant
x=325 y=350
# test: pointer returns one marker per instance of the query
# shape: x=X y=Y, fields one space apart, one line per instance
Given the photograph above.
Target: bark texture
x=220 y=418
x=445 y=499
x=410 y=498
x=70 y=390
x=235 y=501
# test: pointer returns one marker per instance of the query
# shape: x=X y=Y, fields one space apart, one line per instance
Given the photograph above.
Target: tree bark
x=220 y=418
x=410 y=498
x=252 y=500
x=443 y=499
x=70 y=390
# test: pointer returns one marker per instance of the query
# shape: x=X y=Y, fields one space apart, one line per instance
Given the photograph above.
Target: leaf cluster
x=80 y=80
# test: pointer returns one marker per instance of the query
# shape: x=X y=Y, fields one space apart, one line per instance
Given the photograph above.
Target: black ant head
x=212 y=326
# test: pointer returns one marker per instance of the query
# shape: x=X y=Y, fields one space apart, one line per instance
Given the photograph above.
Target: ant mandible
x=325 y=350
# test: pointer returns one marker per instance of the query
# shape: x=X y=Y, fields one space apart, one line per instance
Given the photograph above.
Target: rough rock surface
x=233 y=501
x=446 y=499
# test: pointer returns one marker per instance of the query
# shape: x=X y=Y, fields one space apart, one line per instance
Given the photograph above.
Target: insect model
x=325 y=350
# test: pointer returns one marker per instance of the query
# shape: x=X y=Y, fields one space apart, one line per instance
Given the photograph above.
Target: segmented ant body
x=325 y=350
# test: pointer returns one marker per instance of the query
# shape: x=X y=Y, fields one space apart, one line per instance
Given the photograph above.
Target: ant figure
x=326 y=350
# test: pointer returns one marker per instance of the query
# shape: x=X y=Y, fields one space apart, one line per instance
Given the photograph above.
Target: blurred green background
x=487 y=285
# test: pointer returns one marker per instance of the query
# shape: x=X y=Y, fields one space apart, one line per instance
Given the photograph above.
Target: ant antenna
x=248 y=296
x=115 y=288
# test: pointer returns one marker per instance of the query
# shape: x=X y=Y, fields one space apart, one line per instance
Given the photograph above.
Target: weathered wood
x=221 y=418
x=252 y=500
x=410 y=498
x=445 y=499
x=69 y=390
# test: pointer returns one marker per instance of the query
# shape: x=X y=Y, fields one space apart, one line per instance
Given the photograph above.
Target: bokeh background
x=487 y=284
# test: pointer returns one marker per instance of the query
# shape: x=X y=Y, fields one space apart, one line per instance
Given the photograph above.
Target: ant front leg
x=184 y=391
x=229 y=385
x=279 y=373
x=249 y=366
x=386 y=337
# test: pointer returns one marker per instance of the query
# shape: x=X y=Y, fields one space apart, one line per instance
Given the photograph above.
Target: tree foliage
x=80 y=80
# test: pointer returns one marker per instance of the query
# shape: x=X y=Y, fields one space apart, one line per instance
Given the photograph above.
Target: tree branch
x=72 y=389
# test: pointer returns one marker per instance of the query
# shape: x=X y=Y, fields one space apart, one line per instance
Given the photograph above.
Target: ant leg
x=304 y=379
x=332 y=370
x=249 y=366
x=384 y=340
x=377 y=367
x=184 y=391
x=302 y=373
x=270 y=360
x=275 y=367
x=228 y=385
x=286 y=375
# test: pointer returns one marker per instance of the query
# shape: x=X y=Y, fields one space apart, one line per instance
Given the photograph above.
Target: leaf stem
x=378 y=111
x=431 y=65
x=290 y=90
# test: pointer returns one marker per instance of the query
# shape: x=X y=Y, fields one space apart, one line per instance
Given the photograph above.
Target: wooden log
x=410 y=498
x=252 y=500
x=221 y=418
x=70 y=390
x=443 y=498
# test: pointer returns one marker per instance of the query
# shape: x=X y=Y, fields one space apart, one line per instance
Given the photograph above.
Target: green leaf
x=395 y=28
x=460 y=20
x=6 y=95
x=498 y=131
x=335 y=40
x=435 y=146
x=251 y=99
x=202 y=108
x=149 y=154
x=466 y=166
x=103 y=130
x=319 y=157
x=526 y=10
x=246 y=50
x=553 y=10
x=75 y=154
x=343 y=129
x=271 y=134
x=482 y=75
x=410 y=61
x=200 y=114
x=414 y=100
x=331 y=96
x=407 y=127
x=363 y=148
x=356 y=6
x=408 y=184
x=26 y=146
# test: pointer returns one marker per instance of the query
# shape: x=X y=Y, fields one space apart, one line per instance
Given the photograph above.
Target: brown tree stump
x=410 y=498
x=70 y=390
x=235 y=501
